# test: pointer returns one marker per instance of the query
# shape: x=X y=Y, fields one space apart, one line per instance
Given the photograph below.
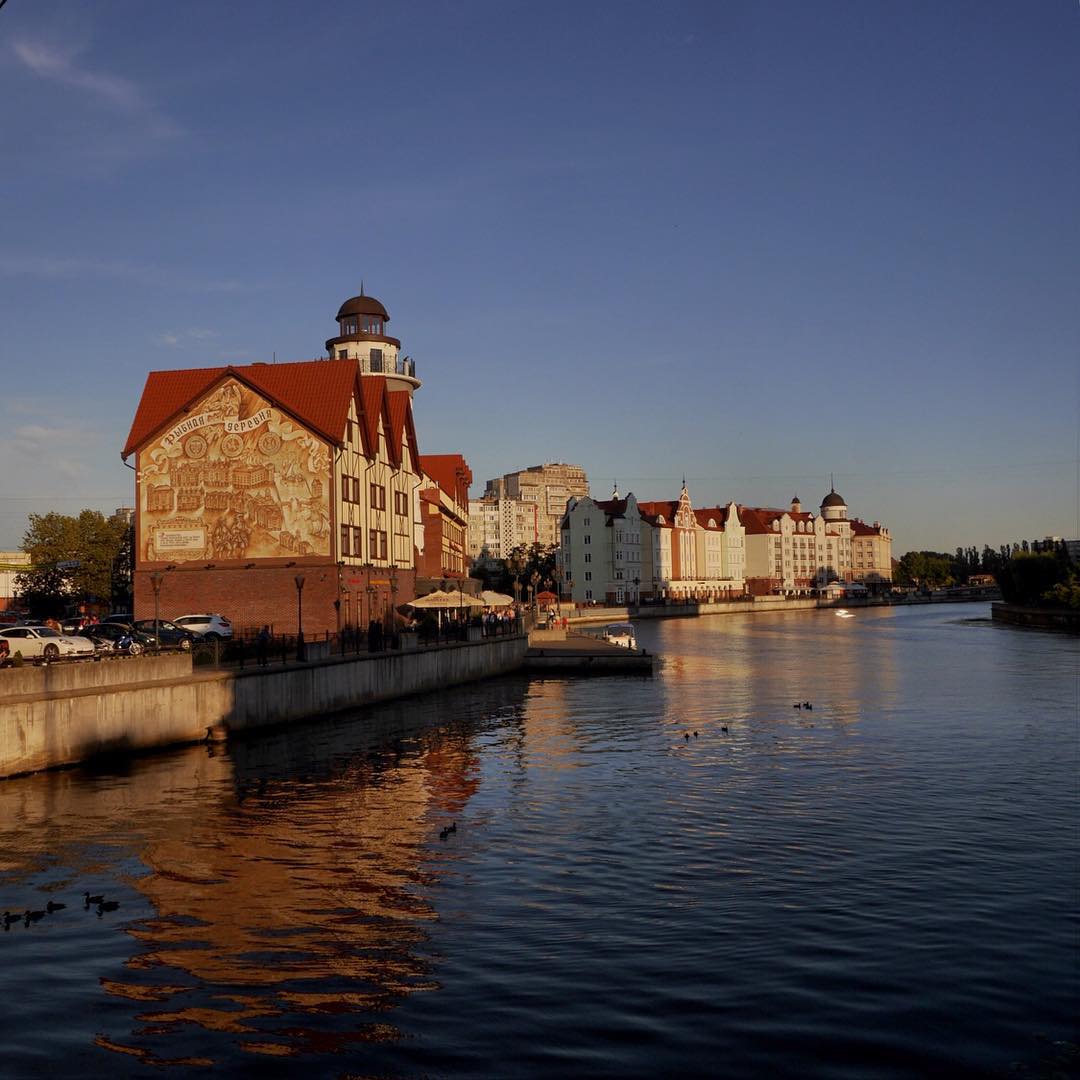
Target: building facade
x=600 y=552
x=285 y=493
x=620 y=551
x=796 y=552
x=497 y=525
x=547 y=487
x=444 y=515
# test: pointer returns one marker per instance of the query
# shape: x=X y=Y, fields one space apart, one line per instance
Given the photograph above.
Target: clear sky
x=754 y=243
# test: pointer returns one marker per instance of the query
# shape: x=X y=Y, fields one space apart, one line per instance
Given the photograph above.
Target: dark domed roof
x=363 y=305
x=832 y=499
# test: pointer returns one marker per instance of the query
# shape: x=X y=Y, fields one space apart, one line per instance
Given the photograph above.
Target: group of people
x=499 y=622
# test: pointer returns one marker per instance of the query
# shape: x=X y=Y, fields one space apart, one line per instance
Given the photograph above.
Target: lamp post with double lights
x=300 y=652
x=156 y=579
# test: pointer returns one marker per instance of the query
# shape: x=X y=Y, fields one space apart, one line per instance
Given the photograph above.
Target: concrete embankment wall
x=65 y=714
x=1037 y=618
x=757 y=606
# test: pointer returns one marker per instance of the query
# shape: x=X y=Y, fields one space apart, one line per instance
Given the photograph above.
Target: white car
x=43 y=641
x=206 y=626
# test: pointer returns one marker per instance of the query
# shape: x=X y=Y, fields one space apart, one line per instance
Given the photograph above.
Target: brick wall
x=267 y=595
x=246 y=597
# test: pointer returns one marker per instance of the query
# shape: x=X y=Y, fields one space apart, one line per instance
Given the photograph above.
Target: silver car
x=45 y=642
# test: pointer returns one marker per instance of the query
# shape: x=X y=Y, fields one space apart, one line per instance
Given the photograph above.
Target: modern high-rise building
x=548 y=488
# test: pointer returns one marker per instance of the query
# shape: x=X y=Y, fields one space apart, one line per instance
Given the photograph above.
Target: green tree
x=91 y=540
x=1034 y=579
x=926 y=569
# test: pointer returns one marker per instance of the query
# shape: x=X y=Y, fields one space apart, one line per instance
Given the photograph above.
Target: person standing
x=262 y=646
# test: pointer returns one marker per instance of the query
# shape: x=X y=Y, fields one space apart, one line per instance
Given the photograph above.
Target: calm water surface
x=884 y=886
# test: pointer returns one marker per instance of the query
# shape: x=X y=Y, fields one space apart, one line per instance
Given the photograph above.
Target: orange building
x=444 y=515
x=271 y=492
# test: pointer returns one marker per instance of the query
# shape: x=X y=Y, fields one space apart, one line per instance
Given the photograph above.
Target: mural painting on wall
x=235 y=479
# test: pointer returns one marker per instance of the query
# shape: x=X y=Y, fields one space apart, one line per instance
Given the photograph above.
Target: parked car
x=114 y=637
x=168 y=633
x=120 y=616
x=206 y=626
x=43 y=641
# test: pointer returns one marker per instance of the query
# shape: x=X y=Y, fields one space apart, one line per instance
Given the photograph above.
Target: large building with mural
x=275 y=493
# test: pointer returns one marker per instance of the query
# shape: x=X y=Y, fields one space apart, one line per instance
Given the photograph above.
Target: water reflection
x=285 y=877
x=619 y=891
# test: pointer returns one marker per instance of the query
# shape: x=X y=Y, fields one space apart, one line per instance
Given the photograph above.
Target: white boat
x=620 y=633
x=843 y=613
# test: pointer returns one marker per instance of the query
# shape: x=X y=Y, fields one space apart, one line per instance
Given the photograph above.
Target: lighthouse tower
x=362 y=337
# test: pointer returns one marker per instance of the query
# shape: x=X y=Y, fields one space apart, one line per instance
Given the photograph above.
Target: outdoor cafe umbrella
x=444 y=601
x=546 y=597
x=496 y=599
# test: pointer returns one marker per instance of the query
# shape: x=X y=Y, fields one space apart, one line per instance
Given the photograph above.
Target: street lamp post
x=155 y=582
x=300 y=652
x=637 y=591
x=393 y=602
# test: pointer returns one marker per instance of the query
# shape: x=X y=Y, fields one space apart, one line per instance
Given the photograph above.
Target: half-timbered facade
x=282 y=494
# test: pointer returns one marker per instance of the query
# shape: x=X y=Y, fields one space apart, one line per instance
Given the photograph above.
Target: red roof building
x=444 y=515
x=269 y=491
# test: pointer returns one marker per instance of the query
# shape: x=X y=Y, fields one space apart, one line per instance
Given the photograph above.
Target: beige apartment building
x=547 y=487
x=498 y=525
x=795 y=551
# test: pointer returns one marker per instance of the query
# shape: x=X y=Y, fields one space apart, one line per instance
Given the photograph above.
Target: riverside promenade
x=62 y=714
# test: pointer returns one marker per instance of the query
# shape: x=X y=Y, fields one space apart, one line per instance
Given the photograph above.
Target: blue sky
x=752 y=243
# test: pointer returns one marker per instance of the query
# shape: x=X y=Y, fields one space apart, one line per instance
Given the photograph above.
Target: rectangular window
x=357 y=546
x=350 y=489
x=377 y=542
x=588 y=594
x=376 y=361
x=350 y=431
x=378 y=497
x=588 y=556
x=401 y=503
x=345 y=549
x=588 y=575
x=588 y=539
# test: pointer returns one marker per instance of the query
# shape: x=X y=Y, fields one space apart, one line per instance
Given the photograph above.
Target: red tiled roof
x=860 y=528
x=759 y=519
x=316 y=392
x=448 y=471
x=650 y=511
x=612 y=507
x=373 y=400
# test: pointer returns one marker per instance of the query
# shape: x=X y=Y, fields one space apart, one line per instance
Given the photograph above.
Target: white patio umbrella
x=496 y=599
x=445 y=601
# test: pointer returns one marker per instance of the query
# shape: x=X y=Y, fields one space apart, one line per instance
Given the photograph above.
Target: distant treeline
x=1037 y=572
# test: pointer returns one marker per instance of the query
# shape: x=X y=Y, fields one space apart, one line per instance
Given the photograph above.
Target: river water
x=883 y=886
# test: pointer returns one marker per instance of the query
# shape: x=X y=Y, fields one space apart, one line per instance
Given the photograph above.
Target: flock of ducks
x=29 y=917
x=724 y=728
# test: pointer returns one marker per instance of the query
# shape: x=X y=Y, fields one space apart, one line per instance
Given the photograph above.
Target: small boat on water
x=843 y=613
x=620 y=633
